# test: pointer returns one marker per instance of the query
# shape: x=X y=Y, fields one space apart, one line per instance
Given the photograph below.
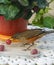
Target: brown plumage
x=29 y=36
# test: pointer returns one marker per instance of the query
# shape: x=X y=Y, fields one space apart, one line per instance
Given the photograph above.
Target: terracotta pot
x=11 y=27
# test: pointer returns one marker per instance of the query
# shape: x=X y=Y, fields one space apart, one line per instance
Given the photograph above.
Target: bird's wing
x=28 y=33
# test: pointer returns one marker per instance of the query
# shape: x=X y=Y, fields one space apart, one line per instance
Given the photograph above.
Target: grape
x=34 y=51
x=2 y=47
x=8 y=41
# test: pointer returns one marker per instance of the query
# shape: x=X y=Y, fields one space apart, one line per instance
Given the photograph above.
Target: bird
x=30 y=35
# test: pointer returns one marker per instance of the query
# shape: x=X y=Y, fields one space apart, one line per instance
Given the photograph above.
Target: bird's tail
x=48 y=32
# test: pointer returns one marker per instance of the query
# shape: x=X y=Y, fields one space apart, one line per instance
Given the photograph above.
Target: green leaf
x=40 y=24
x=2 y=11
x=24 y=2
x=42 y=3
x=38 y=16
x=41 y=11
x=48 y=22
x=11 y=12
x=5 y=1
x=47 y=9
x=38 y=20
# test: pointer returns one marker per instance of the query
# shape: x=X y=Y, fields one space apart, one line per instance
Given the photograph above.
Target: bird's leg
x=24 y=41
x=29 y=46
x=27 y=43
x=23 y=44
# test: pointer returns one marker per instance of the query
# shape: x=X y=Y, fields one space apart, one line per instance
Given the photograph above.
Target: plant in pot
x=14 y=14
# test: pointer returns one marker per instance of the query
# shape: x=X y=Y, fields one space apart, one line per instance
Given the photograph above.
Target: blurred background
x=50 y=12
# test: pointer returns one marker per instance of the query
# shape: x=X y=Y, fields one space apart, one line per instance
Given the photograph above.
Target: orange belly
x=4 y=38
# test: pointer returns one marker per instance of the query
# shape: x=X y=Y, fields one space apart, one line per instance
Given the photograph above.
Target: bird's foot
x=28 y=48
x=23 y=45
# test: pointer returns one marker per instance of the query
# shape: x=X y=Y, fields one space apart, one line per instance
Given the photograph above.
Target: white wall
x=52 y=9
